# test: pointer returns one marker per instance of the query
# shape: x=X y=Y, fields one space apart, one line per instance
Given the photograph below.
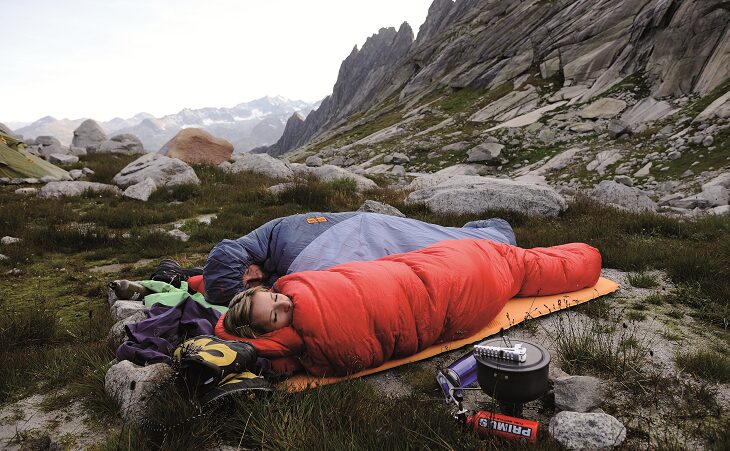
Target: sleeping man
x=358 y=315
x=314 y=241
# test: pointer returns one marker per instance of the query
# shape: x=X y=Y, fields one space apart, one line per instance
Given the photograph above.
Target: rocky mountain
x=246 y=125
x=630 y=89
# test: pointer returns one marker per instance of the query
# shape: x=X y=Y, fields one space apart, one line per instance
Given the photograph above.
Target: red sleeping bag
x=358 y=315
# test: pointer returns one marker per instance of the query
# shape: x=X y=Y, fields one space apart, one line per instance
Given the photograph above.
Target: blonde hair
x=238 y=318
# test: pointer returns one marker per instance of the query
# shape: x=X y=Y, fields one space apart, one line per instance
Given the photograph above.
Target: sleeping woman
x=359 y=315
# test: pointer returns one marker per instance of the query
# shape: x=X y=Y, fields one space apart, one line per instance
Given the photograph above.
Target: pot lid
x=537 y=357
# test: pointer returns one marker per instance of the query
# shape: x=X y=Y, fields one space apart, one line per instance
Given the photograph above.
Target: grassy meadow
x=54 y=320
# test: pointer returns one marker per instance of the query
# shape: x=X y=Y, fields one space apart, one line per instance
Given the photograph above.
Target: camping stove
x=512 y=375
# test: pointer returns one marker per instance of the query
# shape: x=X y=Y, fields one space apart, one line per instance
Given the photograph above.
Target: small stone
x=398 y=171
x=673 y=155
x=388 y=159
x=179 y=234
x=26 y=191
x=708 y=141
x=687 y=173
x=76 y=173
x=14 y=272
x=4 y=257
x=6 y=240
x=87 y=171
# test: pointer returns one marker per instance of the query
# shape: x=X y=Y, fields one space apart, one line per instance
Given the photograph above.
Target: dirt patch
x=27 y=420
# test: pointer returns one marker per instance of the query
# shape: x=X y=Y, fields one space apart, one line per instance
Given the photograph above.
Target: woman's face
x=271 y=311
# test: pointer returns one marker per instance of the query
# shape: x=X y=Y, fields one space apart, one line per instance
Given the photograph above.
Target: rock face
x=132 y=386
x=366 y=77
x=196 y=146
x=69 y=189
x=372 y=206
x=474 y=194
x=260 y=164
x=681 y=47
x=125 y=144
x=164 y=171
x=587 y=431
x=622 y=196
x=89 y=135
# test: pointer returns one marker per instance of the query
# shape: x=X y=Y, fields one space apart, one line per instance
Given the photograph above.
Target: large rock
x=721 y=180
x=59 y=158
x=124 y=309
x=196 y=146
x=646 y=110
x=89 y=135
x=329 y=173
x=622 y=196
x=712 y=196
x=141 y=191
x=118 y=333
x=74 y=188
x=455 y=147
x=603 y=160
x=372 y=206
x=487 y=152
x=125 y=144
x=616 y=128
x=577 y=393
x=475 y=194
x=132 y=386
x=587 y=431
x=559 y=161
x=259 y=164
x=720 y=108
x=48 y=145
x=164 y=171
x=604 y=108
x=425 y=181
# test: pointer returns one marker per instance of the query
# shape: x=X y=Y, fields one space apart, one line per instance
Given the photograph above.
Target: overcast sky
x=105 y=58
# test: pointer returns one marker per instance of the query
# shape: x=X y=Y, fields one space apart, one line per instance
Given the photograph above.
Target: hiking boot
x=128 y=290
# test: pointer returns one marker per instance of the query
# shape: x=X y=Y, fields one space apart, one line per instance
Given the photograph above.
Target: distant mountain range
x=246 y=125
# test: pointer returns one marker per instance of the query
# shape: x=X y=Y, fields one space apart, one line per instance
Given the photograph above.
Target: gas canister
x=516 y=429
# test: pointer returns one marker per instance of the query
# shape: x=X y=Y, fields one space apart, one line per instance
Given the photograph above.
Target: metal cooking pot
x=510 y=381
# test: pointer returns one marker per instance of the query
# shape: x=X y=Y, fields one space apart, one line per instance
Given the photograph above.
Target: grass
x=54 y=318
x=596 y=346
x=643 y=280
x=710 y=364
